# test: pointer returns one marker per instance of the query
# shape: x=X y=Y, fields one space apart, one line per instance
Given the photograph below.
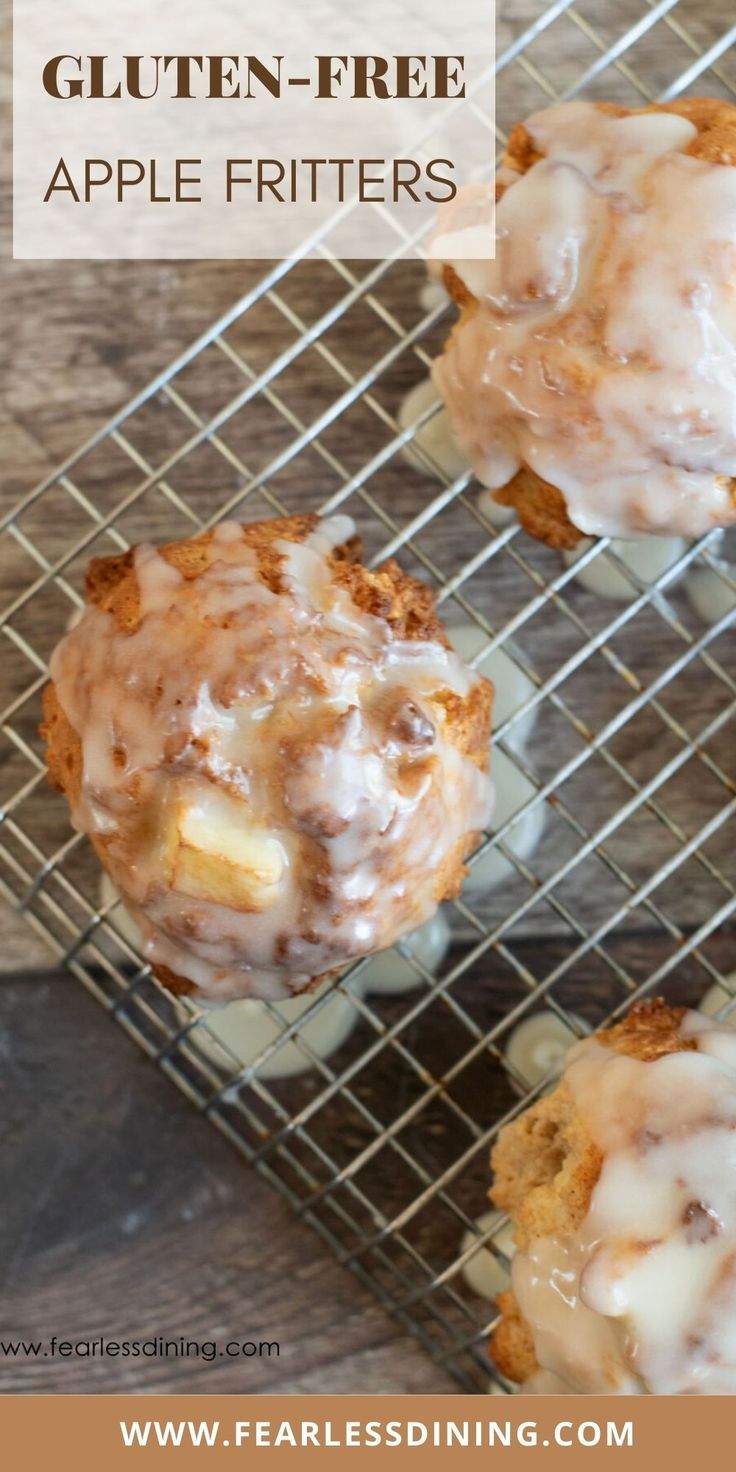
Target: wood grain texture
x=81 y=338
x=125 y=1215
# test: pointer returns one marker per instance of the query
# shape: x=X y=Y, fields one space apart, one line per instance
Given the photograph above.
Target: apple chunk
x=222 y=856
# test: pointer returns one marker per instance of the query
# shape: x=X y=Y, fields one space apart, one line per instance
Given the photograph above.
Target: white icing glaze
x=647 y=558
x=718 y=996
x=390 y=974
x=513 y=792
x=602 y=353
x=248 y=1026
x=512 y=686
x=710 y=594
x=537 y=1045
x=433 y=448
x=432 y=294
x=484 y=1272
x=269 y=770
x=494 y=1388
x=464 y=236
x=709 y=588
x=642 y=1297
x=513 y=788
x=498 y=515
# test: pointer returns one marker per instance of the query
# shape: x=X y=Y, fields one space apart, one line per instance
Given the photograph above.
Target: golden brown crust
x=512 y=1346
x=389 y=593
x=111 y=582
x=540 y=507
x=546 y=1166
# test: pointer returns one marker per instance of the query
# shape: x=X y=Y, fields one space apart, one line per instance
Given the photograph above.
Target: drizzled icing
x=602 y=353
x=287 y=731
x=642 y=1299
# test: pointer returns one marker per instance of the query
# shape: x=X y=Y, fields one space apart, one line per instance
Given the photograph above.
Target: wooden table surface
x=122 y=1212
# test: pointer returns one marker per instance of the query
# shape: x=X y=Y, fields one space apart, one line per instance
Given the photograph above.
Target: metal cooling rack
x=383 y=1147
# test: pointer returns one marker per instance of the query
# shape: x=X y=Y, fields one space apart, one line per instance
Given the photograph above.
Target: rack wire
x=631 y=888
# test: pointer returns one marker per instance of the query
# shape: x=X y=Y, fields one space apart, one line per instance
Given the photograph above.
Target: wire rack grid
x=622 y=735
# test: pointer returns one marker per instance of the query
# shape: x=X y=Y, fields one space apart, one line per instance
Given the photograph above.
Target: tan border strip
x=85 y=1432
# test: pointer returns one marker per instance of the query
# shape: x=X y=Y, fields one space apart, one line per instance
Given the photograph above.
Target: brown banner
x=120 y=1433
